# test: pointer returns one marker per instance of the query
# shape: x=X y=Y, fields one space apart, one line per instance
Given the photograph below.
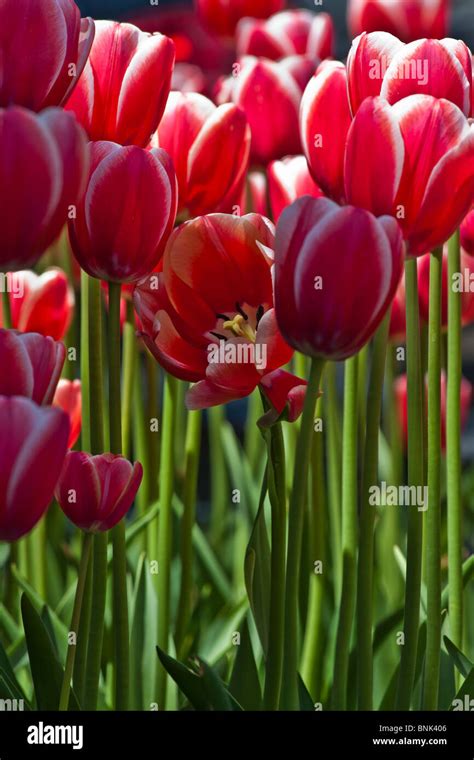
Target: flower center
x=240 y=327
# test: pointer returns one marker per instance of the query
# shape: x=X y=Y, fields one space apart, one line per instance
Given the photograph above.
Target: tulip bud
x=34 y=365
x=58 y=42
x=408 y=19
x=222 y=17
x=295 y=32
x=95 y=492
x=336 y=273
x=127 y=213
x=42 y=303
x=68 y=397
x=33 y=443
x=122 y=93
x=210 y=149
x=289 y=180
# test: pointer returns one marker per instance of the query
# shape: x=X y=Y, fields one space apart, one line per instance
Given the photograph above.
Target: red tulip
x=32 y=365
x=296 y=32
x=68 y=397
x=43 y=49
x=43 y=167
x=408 y=19
x=222 y=16
x=464 y=284
x=187 y=77
x=288 y=180
x=41 y=303
x=398 y=322
x=127 y=213
x=336 y=273
x=122 y=93
x=210 y=150
x=380 y=64
x=467 y=233
x=33 y=443
x=255 y=195
x=400 y=390
x=209 y=317
x=95 y=492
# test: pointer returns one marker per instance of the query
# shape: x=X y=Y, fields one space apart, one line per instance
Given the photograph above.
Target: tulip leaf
x=142 y=639
x=306 y=703
x=217 y=639
x=466 y=690
x=462 y=663
x=244 y=683
x=60 y=629
x=46 y=669
x=257 y=571
x=388 y=701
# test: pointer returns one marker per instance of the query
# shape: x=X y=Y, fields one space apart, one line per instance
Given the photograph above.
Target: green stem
x=96 y=631
x=85 y=364
x=152 y=443
x=6 y=310
x=192 y=452
x=365 y=565
x=80 y=660
x=95 y=368
x=332 y=425
x=289 y=694
x=349 y=535
x=219 y=494
x=453 y=447
x=129 y=355
x=76 y=615
x=415 y=479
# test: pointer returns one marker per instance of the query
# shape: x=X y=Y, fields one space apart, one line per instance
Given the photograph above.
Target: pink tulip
x=33 y=365
x=467 y=233
x=68 y=397
x=210 y=149
x=95 y=492
x=121 y=96
x=288 y=180
x=33 y=443
x=41 y=303
x=408 y=19
x=222 y=16
x=336 y=273
x=44 y=46
x=295 y=32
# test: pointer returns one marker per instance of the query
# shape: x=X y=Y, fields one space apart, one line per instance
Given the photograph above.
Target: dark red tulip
x=32 y=365
x=33 y=443
x=467 y=233
x=121 y=96
x=95 y=492
x=295 y=32
x=222 y=16
x=209 y=318
x=58 y=42
x=380 y=64
x=210 y=149
x=288 y=180
x=127 y=212
x=336 y=273
x=464 y=284
x=68 y=397
x=43 y=169
x=41 y=303
x=408 y=19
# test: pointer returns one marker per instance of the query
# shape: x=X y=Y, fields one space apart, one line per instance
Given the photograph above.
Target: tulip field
x=236 y=308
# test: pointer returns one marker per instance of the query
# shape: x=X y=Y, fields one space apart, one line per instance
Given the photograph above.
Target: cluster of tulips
x=178 y=235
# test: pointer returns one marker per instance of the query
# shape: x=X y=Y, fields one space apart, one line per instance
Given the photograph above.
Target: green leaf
x=217 y=638
x=46 y=670
x=244 y=683
x=143 y=638
x=467 y=689
x=257 y=572
x=460 y=660
x=306 y=703
x=388 y=701
x=9 y=678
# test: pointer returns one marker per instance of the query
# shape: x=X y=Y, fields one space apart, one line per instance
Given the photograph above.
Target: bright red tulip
x=41 y=303
x=43 y=168
x=68 y=397
x=32 y=365
x=222 y=16
x=288 y=180
x=467 y=233
x=127 y=213
x=44 y=46
x=464 y=284
x=408 y=19
x=209 y=318
x=257 y=86
x=95 y=492
x=380 y=64
x=336 y=273
x=400 y=389
x=33 y=443
x=122 y=93
x=210 y=149
x=295 y=32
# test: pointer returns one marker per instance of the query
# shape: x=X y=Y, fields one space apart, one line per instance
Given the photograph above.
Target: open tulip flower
x=295 y=32
x=34 y=365
x=33 y=442
x=408 y=19
x=122 y=92
x=127 y=213
x=210 y=149
x=58 y=43
x=68 y=397
x=288 y=180
x=222 y=17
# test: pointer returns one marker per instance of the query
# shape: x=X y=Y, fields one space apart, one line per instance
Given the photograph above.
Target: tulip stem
x=365 y=565
x=119 y=565
x=432 y=515
x=6 y=309
x=85 y=365
x=166 y=484
x=453 y=448
x=76 y=616
x=349 y=535
x=215 y=420
x=95 y=367
x=332 y=424
x=415 y=479
x=129 y=356
x=289 y=694
x=192 y=451
x=96 y=631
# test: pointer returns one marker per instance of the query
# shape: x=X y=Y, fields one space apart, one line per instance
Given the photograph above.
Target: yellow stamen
x=240 y=328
